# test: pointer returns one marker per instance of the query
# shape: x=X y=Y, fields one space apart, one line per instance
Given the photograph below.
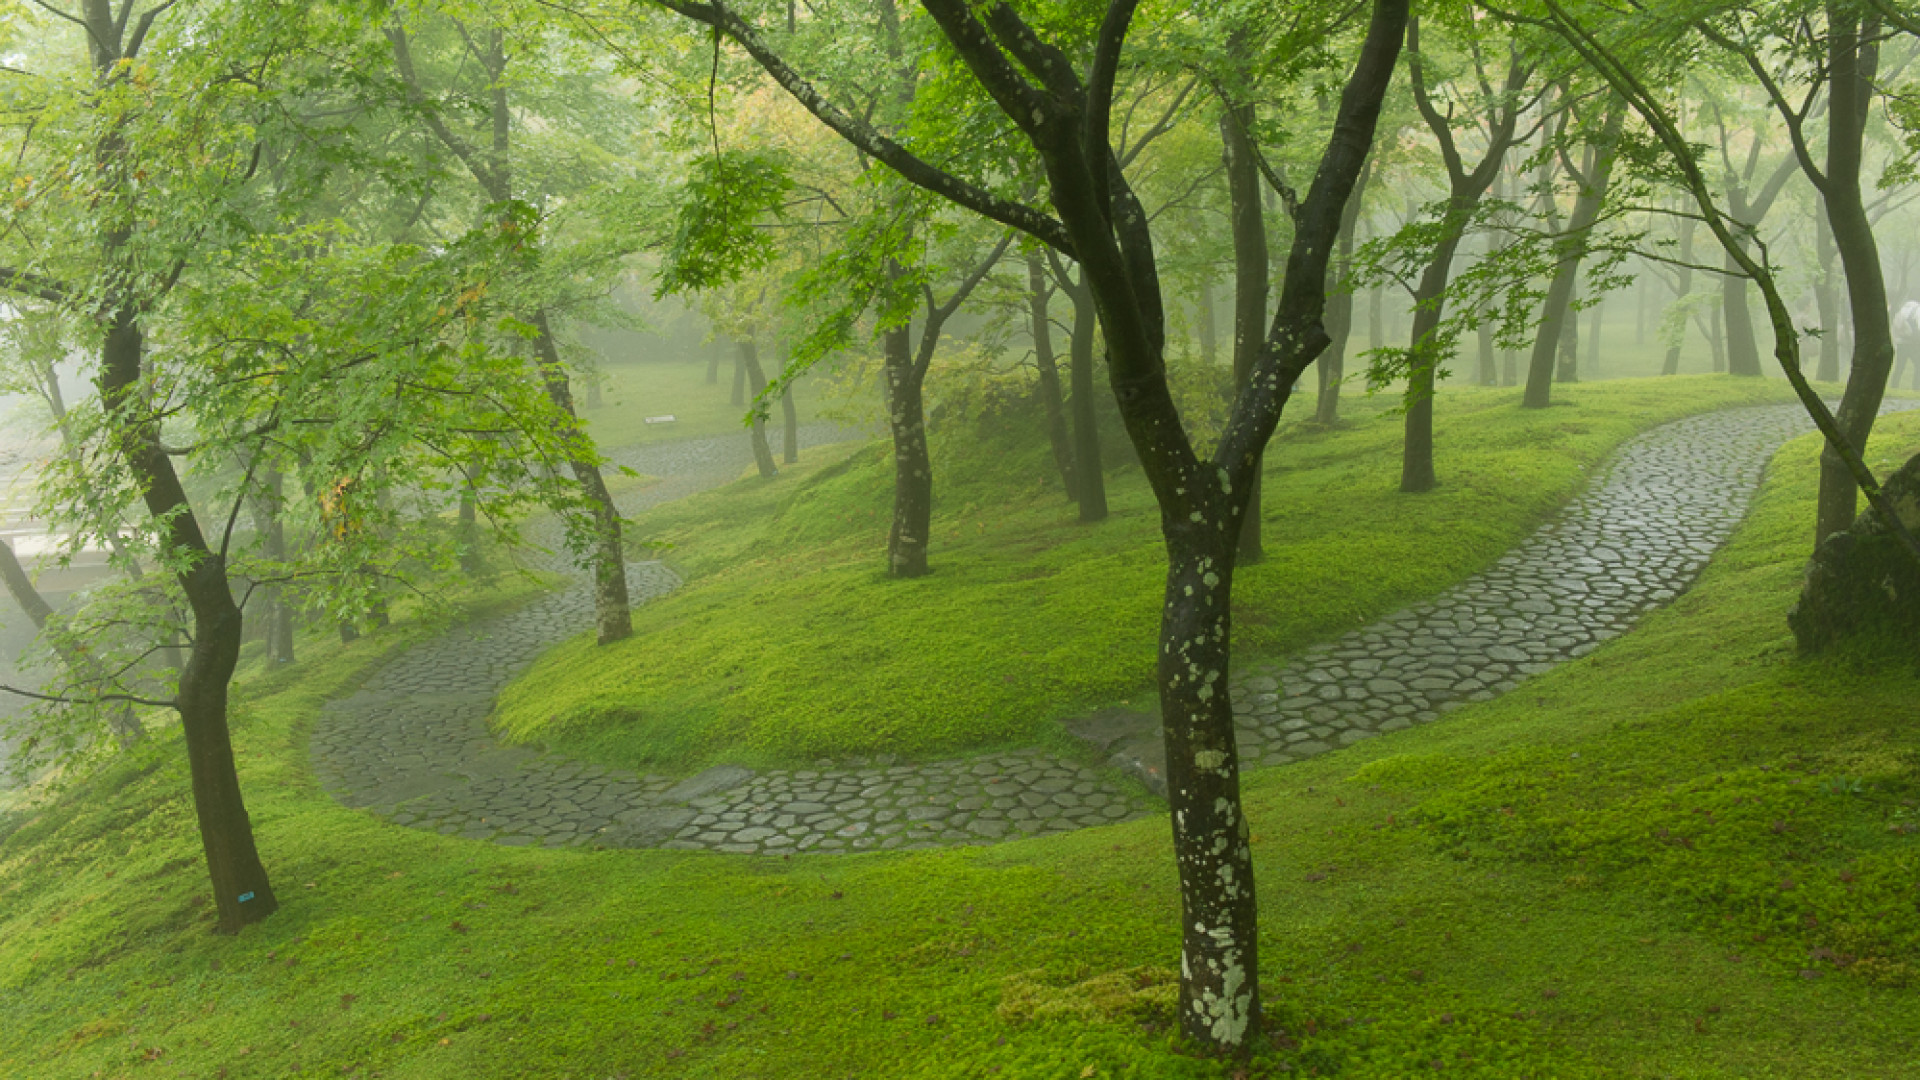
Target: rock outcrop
x=1863 y=581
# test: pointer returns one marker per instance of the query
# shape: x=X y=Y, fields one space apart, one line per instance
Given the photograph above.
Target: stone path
x=413 y=744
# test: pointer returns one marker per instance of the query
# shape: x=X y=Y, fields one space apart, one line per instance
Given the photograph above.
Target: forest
x=601 y=539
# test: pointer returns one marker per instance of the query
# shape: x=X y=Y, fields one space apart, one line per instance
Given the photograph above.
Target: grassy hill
x=789 y=644
x=1531 y=887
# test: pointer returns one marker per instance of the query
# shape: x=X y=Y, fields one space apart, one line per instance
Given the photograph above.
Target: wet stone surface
x=412 y=744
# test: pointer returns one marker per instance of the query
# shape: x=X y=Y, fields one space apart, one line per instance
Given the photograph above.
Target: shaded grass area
x=789 y=644
x=1604 y=927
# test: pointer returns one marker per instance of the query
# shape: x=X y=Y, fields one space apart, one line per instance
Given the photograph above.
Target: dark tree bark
x=1592 y=178
x=1101 y=226
x=762 y=452
x=1853 y=58
x=613 y=615
x=242 y=893
x=1090 y=480
x=1052 y=401
x=1465 y=188
x=1749 y=208
x=1250 y=276
x=906 y=373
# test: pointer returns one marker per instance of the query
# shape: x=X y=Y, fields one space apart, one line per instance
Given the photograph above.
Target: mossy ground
x=789 y=644
x=1527 y=888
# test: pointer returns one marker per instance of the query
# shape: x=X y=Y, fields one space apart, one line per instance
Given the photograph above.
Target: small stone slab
x=648 y=826
x=718 y=778
x=494 y=764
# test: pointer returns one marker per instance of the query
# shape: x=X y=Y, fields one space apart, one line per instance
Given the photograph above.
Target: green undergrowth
x=788 y=644
x=1529 y=888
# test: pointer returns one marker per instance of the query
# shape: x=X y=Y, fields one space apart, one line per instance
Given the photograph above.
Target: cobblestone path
x=413 y=744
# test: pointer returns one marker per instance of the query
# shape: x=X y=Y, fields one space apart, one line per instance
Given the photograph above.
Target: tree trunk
x=1090 y=481
x=1716 y=338
x=1593 y=341
x=912 y=464
x=272 y=524
x=1573 y=248
x=1567 y=366
x=1051 y=399
x=762 y=451
x=1209 y=326
x=1743 y=349
x=1682 y=289
x=1824 y=298
x=612 y=614
x=1429 y=299
x=1251 y=269
x=790 y=427
x=242 y=893
x=1853 y=61
x=1331 y=368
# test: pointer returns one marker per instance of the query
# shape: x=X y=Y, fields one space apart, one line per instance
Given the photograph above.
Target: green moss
x=1405 y=918
x=789 y=644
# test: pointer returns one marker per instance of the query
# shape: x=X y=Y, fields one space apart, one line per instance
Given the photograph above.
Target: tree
x=1062 y=110
x=1495 y=114
x=1591 y=178
x=490 y=161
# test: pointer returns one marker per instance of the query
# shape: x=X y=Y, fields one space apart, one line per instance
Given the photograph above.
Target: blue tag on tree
x=245 y=896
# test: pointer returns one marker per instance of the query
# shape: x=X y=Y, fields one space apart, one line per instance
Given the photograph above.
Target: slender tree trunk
x=242 y=894
x=1051 y=400
x=1251 y=269
x=1567 y=367
x=1376 y=322
x=1573 y=248
x=1824 y=289
x=1331 y=368
x=1090 y=482
x=612 y=614
x=713 y=362
x=1429 y=298
x=1209 y=326
x=912 y=463
x=1682 y=289
x=1853 y=62
x=278 y=612
x=1593 y=341
x=121 y=717
x=762 y=452
x=1716 y=338
x=1743 y=349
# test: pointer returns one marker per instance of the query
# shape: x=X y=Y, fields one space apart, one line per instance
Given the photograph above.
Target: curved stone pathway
x=413 y=744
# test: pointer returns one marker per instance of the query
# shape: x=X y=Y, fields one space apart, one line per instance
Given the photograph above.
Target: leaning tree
x=1055 y=84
